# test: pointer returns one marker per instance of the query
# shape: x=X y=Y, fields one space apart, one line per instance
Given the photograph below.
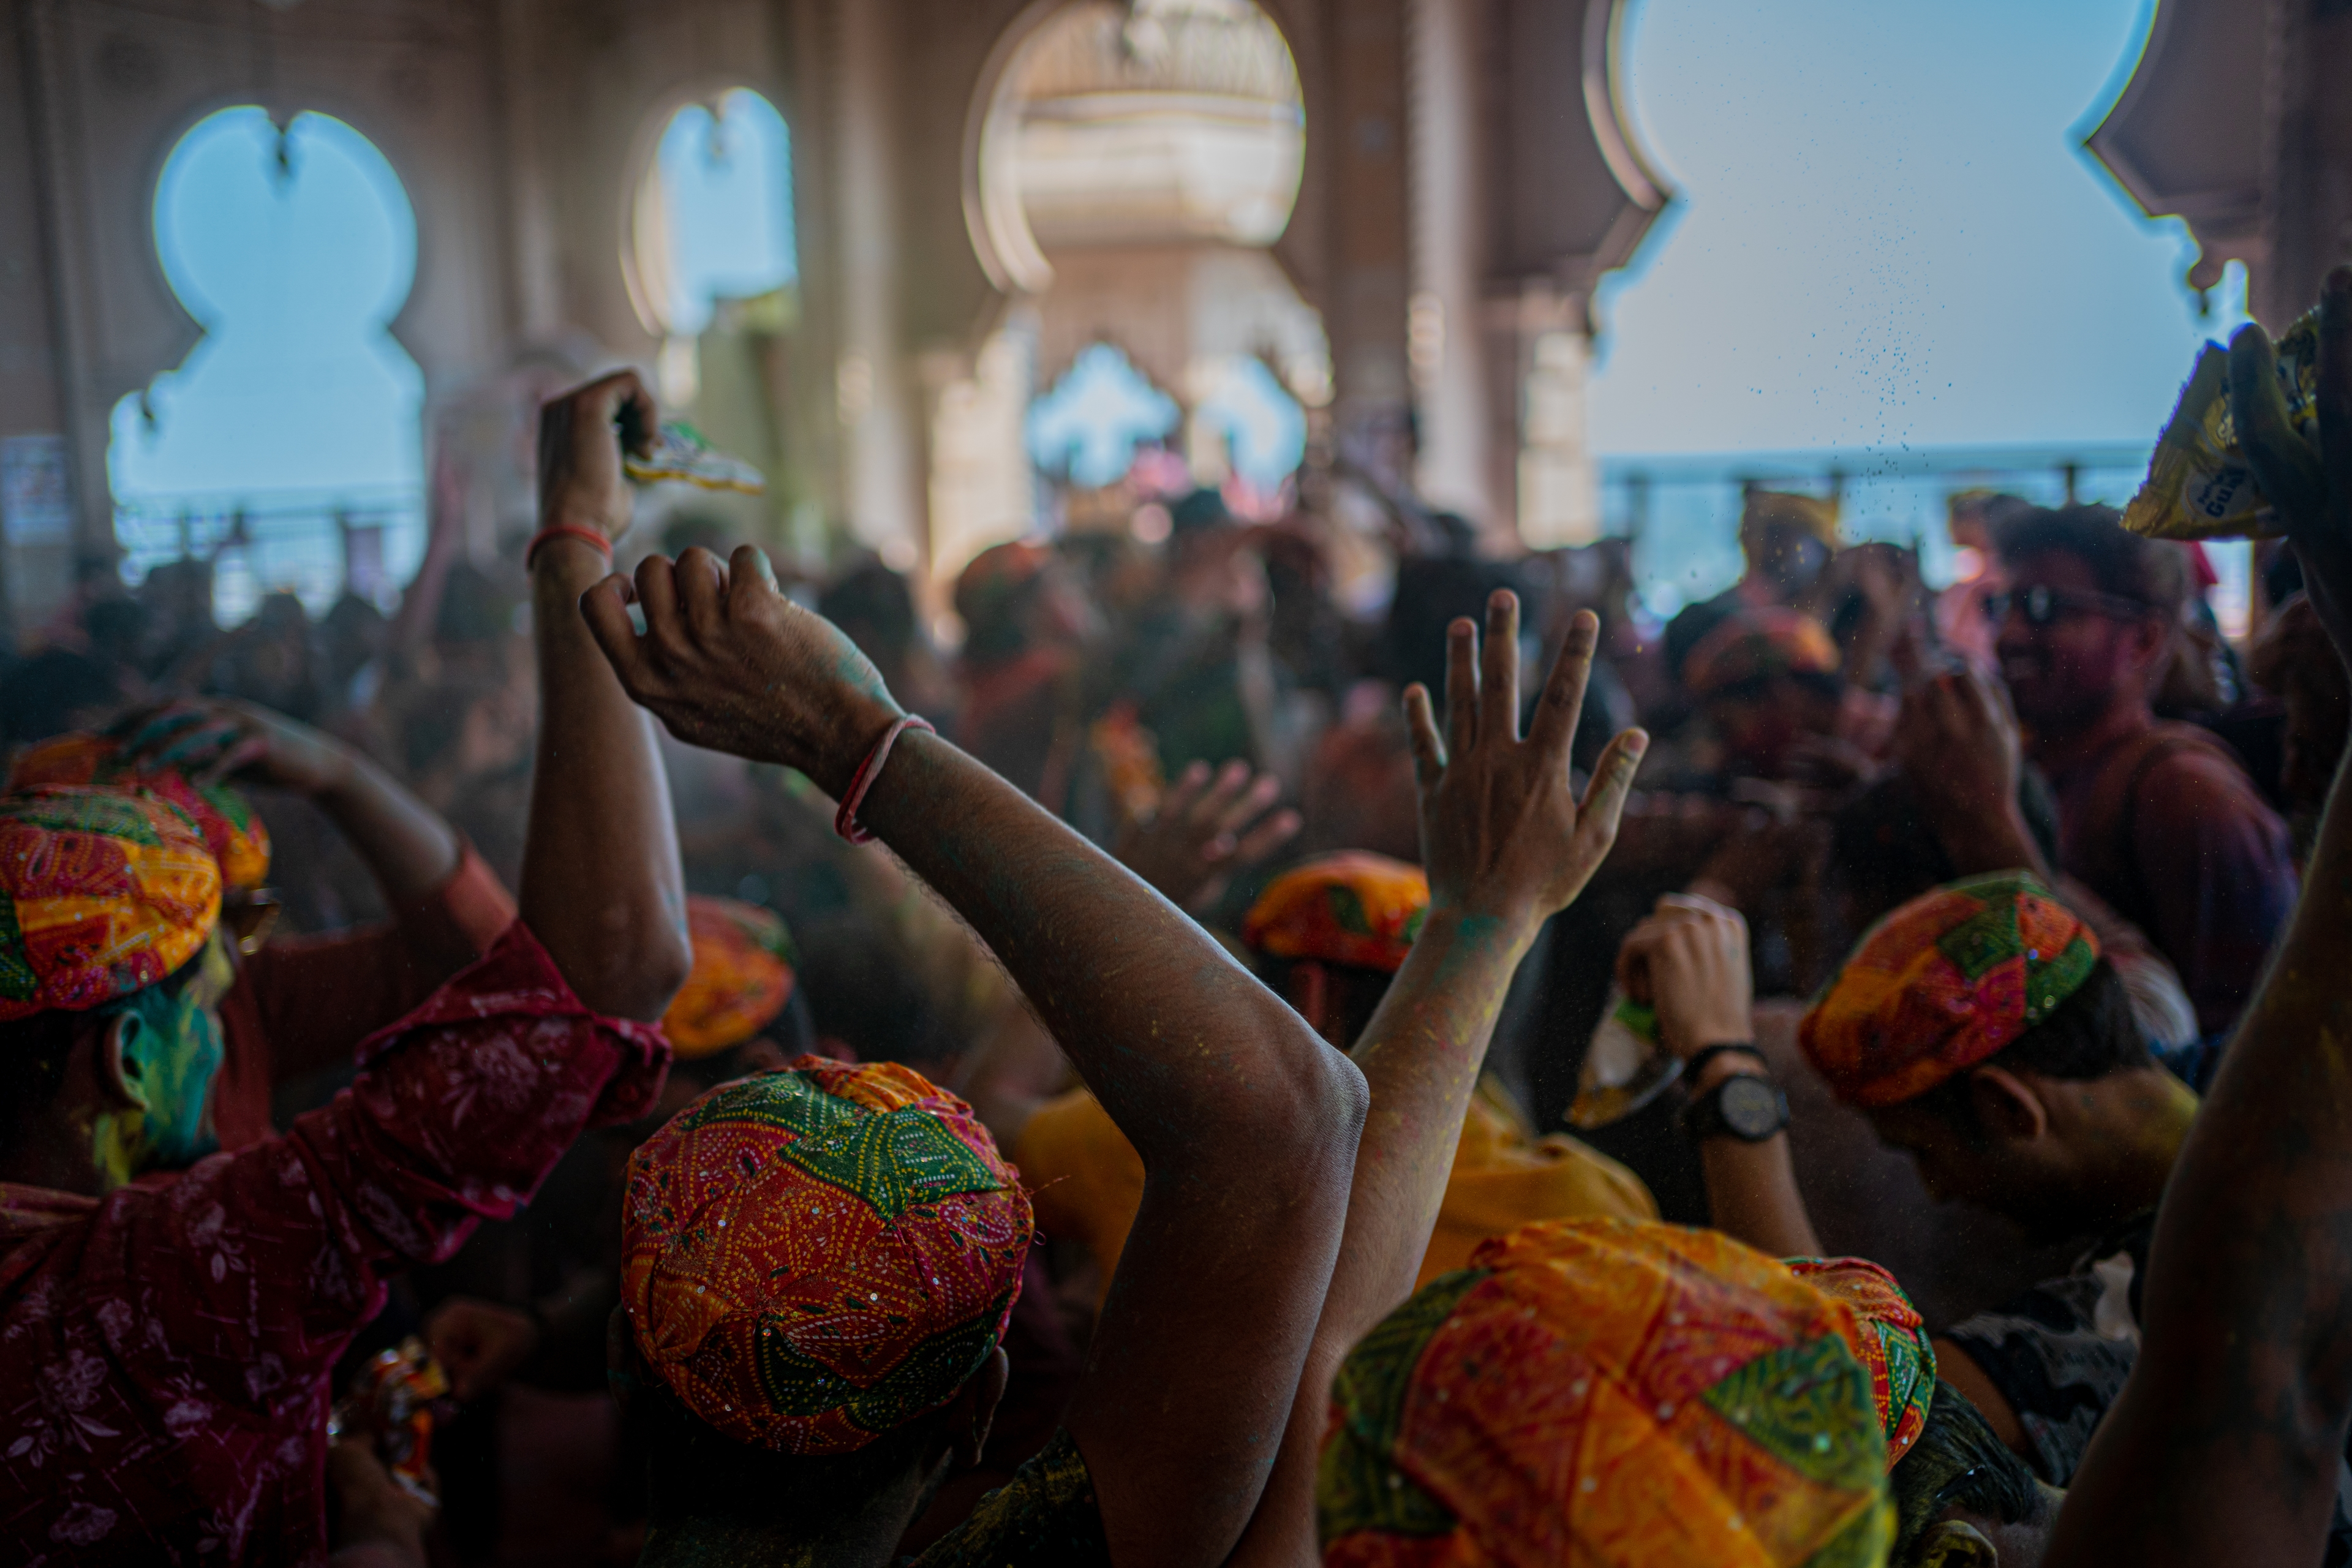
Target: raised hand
x=1206 y=830
x=580 y=483
x=479 y=1343
x=730 y=664
x=1502 y=832
x=214 y=738
x=1689 y=961
x=1958 y=744
x=2310 y=488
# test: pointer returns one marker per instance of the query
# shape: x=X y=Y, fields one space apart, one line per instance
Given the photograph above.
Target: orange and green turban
x=1613 y=1394
x=239 y=841
x=813 y=1257
x=1756 y=645
x=1943 y=983
x=103 y=892
x=742 y=976
x=1351 y=908
x=1893 y=1345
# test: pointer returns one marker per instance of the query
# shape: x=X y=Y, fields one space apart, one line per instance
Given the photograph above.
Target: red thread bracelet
x=845 y=821
x=566 y=530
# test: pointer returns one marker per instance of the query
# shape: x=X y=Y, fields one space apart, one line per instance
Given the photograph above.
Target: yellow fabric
x=1086 y=1181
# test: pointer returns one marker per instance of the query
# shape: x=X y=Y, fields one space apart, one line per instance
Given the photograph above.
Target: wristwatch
x=1744 y=1106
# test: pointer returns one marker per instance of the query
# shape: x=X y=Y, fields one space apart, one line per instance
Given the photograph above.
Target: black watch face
x=1751 y=1109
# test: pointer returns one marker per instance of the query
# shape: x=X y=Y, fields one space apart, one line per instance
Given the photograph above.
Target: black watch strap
x=1696 y=1064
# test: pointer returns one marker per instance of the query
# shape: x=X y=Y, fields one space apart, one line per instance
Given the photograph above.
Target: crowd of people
x=1121 y=1089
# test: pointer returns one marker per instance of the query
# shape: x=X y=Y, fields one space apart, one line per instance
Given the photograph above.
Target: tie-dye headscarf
x=742 y=976
x=103 y=892
x=239 y=841
x=1613 y=1394
x=1351 y=908
x=813 y=1257
x=1952 y=977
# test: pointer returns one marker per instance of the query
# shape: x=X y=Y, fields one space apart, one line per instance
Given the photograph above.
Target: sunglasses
x=2043 y=606
x=248 y=918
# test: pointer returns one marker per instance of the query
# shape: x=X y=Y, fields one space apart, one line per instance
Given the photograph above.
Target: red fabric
x=167 y=1346
x=306 y=1003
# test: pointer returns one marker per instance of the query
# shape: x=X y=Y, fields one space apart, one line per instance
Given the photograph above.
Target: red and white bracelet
x=845 y=821
x=567 y=530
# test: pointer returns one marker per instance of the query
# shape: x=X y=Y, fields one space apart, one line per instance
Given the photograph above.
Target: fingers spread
x=1554 y=728
x=1461 y=686
x=1428 y=752
x=1250 y=804
x=1498 y=683
x=1268 y=836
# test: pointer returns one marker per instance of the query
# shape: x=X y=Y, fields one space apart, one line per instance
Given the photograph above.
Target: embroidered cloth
x=742 y=976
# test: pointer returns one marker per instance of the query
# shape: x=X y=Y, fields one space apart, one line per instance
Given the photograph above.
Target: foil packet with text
x=2200 y=485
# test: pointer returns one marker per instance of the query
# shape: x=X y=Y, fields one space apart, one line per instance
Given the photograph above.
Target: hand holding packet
x=2199 y=484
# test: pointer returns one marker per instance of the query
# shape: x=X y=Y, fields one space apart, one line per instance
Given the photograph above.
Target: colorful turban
x=742 y=976
x=238 y=838
x=1350 y=908
x=1613 y=1394
x=103 y=892
x=1894 y=1344
x=1757 y=645
x=813 y=1257
x=1814 y=515
x=1945 y=981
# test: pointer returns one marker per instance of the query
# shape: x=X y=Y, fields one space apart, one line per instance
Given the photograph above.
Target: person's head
x=1766 y=679
x=1981 y=1031
x=54 y=692
x=1333 y=932
x=1964 y=1499
x=1788 y=540
x=875 y=609
x=113 y=965
x=817 y=1267
x=1017 y=596
x=2089 y=616
x=1882 y=853
x=1613 y=1391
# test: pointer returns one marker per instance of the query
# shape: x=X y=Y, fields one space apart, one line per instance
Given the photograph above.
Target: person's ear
x=2007 y=1105
x=969 y=1416
x=1950 y=1544
x=122 y=1072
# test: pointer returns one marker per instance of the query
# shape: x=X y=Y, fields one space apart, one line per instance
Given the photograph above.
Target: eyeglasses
x=2042 y=607
x=248 y=918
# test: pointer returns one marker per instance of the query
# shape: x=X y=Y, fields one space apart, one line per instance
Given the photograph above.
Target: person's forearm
x=1420 y=1055
x=601 y=885
x=1189 y=1048
x=1751 y=1193
x=410 y=850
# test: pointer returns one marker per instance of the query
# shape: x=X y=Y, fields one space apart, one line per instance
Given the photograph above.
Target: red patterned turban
x=1757 y=645
x=1350 y=908
x=103 y=892
x=742 y=976
x=1894 y=1344
x=238 y=840
x=1941 y=984
x=813 y=1257
x=1613 y=1394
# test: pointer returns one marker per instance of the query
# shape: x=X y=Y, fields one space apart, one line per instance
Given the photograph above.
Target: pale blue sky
x=1888 y=233
x=731 y=205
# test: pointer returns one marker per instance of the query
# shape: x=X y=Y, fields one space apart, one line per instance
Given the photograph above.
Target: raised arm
x=2226 y=1442
x=1506 y=844
x=1245 y=1121
x=601 y=884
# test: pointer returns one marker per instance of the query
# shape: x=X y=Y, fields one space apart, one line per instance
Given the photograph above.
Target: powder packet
x=1625 y=1066
x=2200 y=485
x=679 y=454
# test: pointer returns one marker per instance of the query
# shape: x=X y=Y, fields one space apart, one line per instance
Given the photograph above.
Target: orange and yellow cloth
x=103 y=892
x=1086 y=1180
x=238 y=840
x=1755 y=645
x=811 y=1257
x=742 y=978
x=1611 y=1394
x=1943 y=983
x=1352 y=907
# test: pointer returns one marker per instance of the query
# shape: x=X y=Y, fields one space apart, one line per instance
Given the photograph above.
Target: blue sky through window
x=1090 y=423
x=1265 y=428
x=727 y=181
